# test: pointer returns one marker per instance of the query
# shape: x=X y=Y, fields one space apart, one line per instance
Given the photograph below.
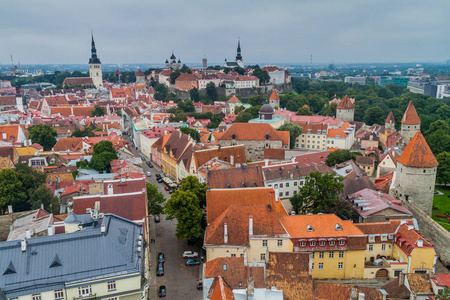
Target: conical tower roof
x=345 y=103
x=117 y=72
x=418 y=154
x=410 y=116
x=274 y=95
x=390 y=118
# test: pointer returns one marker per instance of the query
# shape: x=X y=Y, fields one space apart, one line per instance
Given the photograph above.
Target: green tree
x=443 y=294
x=294 y=132
x=155 y=200
x=192 y=132
x=263 y=76
x=239 y=70
x=238 y=109
x=184 y=206
x=178 y=117
x=174 y=75
x=192 y=184
x=44 y=135
x=374 y=115
x=211 y=91
x=194 y=94
x=186 y=106
x=339 y=156
x=88 y=131
x=102 y=156
x=11 y=191
x=319 y=194
x=185 y=69
x=304 y=111
x=43 y=195
x=98 y=111
x=443 y=170
x=438 y=137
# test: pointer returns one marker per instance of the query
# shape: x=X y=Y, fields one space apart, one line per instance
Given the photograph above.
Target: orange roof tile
x=251 y=131
x=218 y=200
x=274 y=95
x=223 y=153
x=334 y=133
x=418 y=154
x=220 y=290
x=410 y=117
x=234 y=99
x=390 y=118
x=345 y=103
x=323 y=226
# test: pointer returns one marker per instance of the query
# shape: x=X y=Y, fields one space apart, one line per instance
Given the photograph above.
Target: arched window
x=267 y=136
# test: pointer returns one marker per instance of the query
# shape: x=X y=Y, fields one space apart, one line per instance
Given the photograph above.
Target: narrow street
x=180 y=280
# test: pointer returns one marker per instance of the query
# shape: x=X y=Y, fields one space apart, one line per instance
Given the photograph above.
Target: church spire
x=239 y=56
x=94 y=59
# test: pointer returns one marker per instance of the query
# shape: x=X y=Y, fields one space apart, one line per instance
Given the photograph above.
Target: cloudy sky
x=275 y=31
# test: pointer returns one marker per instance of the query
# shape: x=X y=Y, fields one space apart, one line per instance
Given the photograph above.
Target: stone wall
x=433 y=231
x=346 y=115
x=408 y=132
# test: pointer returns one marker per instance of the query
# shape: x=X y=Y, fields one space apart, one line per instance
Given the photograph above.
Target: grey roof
x=231 y=64
x=51 y=262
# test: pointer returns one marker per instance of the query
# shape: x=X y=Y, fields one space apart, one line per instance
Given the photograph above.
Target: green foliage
x=192 y=184
x=98 y=111
x=256 y=100
x=185 y=69
x=294 y=132
x=11 y=191
x=320 y=194
x=155 y=200
x=186 y=106
x=43 y=195
x=192 y=132
x=194 y=94
x=44 y=135
x=304 y=111
x=443 y=170
x=184 y=206
x=438 y=137
x=102 y=156
x=239 y=70
x=248 y=114
x=211 y=91
x=339 y=156
x=174 y=75
x=443 y=294
x=374 y=115
x=262 y=75
x=238 y=109
x=88 y=131
x=179 y=116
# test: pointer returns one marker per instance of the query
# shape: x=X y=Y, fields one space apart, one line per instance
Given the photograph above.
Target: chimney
x=401 y=279
x=354 y=295
x=103 y=228
x=232 y=159
x=250 y=287
x=419 y=243
x=276 y=195
x=225 y=233
x=42 y=205
x=250 y=225
x=266 y=162
x=23 y=244
x=361 y=296
x=50 y=230
x=80 y=189
x=28 y=233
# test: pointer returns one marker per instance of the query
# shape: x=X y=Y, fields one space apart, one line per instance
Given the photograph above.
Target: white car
x=149 y=174
x=190 y=254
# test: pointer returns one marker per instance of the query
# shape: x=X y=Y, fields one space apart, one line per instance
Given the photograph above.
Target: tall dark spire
x=94 y=59
x=239 y=56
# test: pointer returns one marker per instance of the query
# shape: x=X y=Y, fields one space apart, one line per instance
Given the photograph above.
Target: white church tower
x=95 y=67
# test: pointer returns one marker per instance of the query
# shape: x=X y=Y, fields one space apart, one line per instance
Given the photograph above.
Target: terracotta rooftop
x=418 y=284
x=71 y=144
x=236 y=217
x=286 y=171
x=365 y=160
x=218 y=200
x=272 y=153
x=410 y=117
x=220 y=290
x=390 y=118
x=274 y=95
x=251 y=131
x=335 y=291
x=322 y=226
x=235 y=273
x=395 y=290
x=8 y=101
x=442 y=279
x=345 y=103
x=418 y=154
x=240 y=177
x=78 y=80
x=381 y=227
x=223 y=153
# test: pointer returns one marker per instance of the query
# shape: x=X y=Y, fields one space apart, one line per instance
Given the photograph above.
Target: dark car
x=160 y=269
x=157 y=219
x=167 y=188
x=158 y=175
x=172 y=190
x=192 y=262
x=159 y=180
x=150 y=165
x=200 y=286
x=160 y=257
x=162 y=291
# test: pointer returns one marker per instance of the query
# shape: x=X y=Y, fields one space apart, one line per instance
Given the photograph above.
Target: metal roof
x=82 y=255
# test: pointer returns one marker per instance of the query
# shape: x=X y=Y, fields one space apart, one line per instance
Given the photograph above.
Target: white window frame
x=340 y=265
x=341 y=243
x=263 y=256
x=320 y=266
x=321 y=243
x=341 y=254
x=331 y=254
x=383 y=247
x=36 y=297
x=332 y=243
x=59 y=294
x=321 y=254
x=280 y=243
x=302 y=244
x=312 y=243
x=371 y=239
x=84 y=291
x=264 y=243
x=112 y=286
x=370 y=248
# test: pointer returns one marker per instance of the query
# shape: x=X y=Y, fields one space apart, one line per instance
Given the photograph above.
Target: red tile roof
x=410 y=117
x=390 y=118
x=274 y=95
x=78 y=81
x=82 y=111
x=218 y=200
x=56 y=100
x=345 y=103
x=236 y=178
x=335 y=291
x=71 y=144
x=8 y=101
x=220 y=290
x=251 y=131
x=417 y=153
x=139 y=73
x=271 y=153
x=442 y=279
x=236 y=218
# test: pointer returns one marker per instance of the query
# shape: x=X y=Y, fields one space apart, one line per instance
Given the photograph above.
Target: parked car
x=200 y=286
x=167 y=188
x=143 y=158
x=147 y=163
x=159 y=180
x=157 y=219
x=190 y=254
x=149 y=174
x=158 y=175
x=192 y=262
x=162 y=291
x=171 y=190
x=160 y=257
x=150 y=165
x=160 y=269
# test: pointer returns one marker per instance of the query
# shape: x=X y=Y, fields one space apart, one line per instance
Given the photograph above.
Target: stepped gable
x=410 y=117
x=390 y=118
x=418 y=154
x=274 y=95
x=345 y=103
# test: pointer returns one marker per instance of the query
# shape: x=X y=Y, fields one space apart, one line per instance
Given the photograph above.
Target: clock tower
x=95 y=67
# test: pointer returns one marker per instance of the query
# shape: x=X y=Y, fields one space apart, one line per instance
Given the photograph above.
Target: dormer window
x=267 y=136
x=341 y=243
x=338 y=227
x=309 y=228
x=233 y=136
x=371 y=239
x=384 y=237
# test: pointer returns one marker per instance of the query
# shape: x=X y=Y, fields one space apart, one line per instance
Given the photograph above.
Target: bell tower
x=95 y=66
